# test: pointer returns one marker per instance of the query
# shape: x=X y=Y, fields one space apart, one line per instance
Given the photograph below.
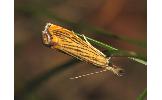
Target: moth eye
x=46 y=39
x=48 y=25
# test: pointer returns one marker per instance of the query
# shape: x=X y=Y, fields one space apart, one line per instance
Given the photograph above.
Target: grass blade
x=143 y=95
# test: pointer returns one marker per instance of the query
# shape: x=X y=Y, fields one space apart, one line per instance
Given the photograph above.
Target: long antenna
x=84 y=75
x=116 y=70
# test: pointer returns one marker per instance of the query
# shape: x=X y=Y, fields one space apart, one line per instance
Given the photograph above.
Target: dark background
x=43 y=74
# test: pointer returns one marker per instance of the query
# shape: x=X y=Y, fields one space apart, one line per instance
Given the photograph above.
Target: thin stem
x=143 y=95
x=112 y=50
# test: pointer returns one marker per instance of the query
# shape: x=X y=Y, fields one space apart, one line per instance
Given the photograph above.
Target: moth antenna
x=88 y=74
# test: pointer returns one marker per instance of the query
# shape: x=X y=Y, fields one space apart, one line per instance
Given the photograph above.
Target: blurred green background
x=43 y=74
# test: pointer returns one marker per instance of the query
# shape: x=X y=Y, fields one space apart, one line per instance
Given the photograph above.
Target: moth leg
x=92 y=46
x=108 y=58
x=116 y=70
x=86 y=39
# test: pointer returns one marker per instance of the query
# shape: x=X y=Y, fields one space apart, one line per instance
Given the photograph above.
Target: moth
x=57 y=37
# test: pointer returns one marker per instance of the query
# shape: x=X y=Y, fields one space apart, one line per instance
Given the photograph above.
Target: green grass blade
x=113 y=50
x=138 y=60
x=143 y=95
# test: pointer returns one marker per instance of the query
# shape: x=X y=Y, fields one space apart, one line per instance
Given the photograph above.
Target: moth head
x=46 y=35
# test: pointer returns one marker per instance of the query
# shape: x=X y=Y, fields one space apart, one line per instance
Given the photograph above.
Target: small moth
x=57 y=37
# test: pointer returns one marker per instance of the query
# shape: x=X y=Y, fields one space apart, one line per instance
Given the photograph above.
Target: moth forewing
x=84 y=52
x=68 y=42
